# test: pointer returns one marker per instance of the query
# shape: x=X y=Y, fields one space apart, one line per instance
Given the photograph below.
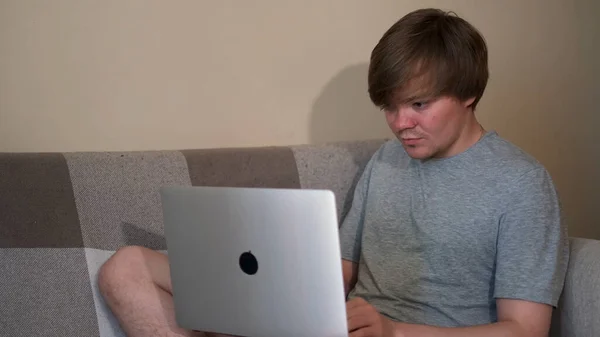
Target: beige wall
x=142 y=74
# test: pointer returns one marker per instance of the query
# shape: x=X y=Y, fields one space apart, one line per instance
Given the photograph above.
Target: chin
x=418 y=153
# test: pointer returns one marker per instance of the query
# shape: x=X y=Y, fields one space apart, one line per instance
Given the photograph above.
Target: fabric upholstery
x=257 y=167
x=45 y=292
x=334 y=166
x=579 y=307
x=37 y=208
x=117 y=195
x=63 y=214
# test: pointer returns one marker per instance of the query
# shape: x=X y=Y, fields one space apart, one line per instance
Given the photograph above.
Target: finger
x=360 y=307
x=357 y=311
x=355 y=302
x=365 y=332
x=357 y=322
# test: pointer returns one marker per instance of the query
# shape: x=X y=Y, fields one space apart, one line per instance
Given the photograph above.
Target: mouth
x=410 y=141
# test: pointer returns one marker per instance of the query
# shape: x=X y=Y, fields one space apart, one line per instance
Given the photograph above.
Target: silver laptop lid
x=255 y=262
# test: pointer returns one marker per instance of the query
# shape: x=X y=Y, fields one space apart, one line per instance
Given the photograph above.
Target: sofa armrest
x=578 y=313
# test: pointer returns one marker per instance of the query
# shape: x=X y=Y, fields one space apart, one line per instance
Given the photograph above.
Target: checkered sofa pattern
x=63 y=214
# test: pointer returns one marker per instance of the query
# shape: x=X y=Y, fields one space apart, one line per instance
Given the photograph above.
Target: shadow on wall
x=343 y=110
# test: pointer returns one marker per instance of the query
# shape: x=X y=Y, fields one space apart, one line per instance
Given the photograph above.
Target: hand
x=365 y=321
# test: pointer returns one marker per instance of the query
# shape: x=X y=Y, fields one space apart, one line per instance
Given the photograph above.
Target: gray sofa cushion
x=579 y=307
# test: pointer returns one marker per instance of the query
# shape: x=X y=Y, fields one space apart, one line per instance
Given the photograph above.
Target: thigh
x=158 y=267
x=138 y=262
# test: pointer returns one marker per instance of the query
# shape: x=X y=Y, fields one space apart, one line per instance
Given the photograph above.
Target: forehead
x=416 y=88
x=422 y=78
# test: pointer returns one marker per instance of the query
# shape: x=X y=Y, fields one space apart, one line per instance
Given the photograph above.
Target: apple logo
x=248 y=263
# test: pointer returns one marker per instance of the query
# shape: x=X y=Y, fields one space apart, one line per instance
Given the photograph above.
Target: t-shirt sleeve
x=533 y=246
x=352 y=225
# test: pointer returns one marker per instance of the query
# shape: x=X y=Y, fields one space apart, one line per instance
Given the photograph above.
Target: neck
x=470 y=134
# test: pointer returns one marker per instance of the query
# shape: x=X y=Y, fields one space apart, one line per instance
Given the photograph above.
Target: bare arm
x=516 y=318
x=350 y=271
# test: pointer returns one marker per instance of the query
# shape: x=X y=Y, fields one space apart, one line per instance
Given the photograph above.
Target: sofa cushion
x=334 y=166
x=44 y=285
x=273 y=167
x=578 y=313
x=37 y=207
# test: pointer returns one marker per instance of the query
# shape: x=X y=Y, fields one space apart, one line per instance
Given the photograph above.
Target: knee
x=119 y=268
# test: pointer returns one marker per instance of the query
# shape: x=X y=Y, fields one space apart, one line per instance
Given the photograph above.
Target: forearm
x=500 y=329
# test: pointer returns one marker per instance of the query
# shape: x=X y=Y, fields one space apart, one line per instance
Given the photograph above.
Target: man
x=453 y=231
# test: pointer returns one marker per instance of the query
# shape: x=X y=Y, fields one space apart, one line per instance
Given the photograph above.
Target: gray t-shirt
x=438 y=241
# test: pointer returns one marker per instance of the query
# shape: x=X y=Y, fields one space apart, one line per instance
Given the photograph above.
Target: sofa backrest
x=63 y=214
x=578 y=314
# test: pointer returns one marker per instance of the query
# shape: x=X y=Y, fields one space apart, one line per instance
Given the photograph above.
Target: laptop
x=256 y=262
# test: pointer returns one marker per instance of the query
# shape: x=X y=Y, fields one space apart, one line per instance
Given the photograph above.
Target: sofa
x=63 y=214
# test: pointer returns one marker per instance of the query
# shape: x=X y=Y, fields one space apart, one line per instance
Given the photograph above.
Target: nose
x=401 y=120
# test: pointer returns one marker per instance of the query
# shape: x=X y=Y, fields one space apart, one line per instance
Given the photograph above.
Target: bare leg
x=136 y=284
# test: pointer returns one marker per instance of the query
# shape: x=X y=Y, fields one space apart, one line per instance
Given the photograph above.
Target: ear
x=468 y=102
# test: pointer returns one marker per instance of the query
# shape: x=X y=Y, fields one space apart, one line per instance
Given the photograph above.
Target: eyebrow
x=414 y=98
x=411 y=99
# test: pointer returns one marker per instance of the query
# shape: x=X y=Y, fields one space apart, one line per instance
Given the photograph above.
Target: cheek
x=435 y=124
x=390 y=119
x=432 y=123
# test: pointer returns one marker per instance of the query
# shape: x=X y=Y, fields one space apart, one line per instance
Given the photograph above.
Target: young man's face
x=432 y=129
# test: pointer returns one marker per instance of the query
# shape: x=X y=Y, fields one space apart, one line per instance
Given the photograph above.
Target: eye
x=419 y=105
